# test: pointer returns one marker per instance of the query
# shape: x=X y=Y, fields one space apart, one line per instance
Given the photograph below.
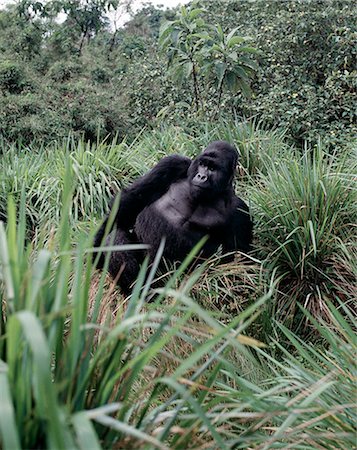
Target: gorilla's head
x=211 y=173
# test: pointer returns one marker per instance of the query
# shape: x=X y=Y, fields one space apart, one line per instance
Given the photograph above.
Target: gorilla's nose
x=201 y=177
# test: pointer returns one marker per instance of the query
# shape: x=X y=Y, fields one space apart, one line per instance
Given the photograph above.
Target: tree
x=88 y=16
x=122 y=7
x=183 y=40
x=227 y=64
x=206 y=55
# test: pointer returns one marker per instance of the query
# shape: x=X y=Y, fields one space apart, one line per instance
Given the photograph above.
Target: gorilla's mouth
x=199 y=190
x=199 y=185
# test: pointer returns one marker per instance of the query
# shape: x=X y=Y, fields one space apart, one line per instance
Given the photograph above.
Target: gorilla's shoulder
x=176 y=159
x=169 y=168
x=240 y=204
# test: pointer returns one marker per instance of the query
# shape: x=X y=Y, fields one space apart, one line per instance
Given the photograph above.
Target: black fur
x=183 y=201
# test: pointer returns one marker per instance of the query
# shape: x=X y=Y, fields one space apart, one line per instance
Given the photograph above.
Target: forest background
x=95 y=78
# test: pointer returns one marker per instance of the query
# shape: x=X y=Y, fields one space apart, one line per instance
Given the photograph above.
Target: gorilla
x=183 y=201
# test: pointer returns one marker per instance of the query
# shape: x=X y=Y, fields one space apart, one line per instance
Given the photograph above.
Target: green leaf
x=220 y=32
x=44 y=389
x=233 y=56
x=247 y=50
x=313 y=236
x=10 y=438
x=220 y=68
x=5 y=267
x=231 y=34
x=188 y=69
x=244 y=87
x=165 y=31
x=235 y=40
x=231 y=82
x=241 y=73
x=246 y=62
x=39 y=271
x=86 y=435
x=216 y=48
x=195 y=12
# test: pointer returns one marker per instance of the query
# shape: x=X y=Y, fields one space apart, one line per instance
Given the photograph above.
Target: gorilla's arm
x=150 y=187
x=241 y=230
x=144 y=191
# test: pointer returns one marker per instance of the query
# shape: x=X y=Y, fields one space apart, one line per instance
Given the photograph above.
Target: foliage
x=307 y=81
x=88 y=16
x=304 y=208
x=81 y=367
x=147 y=20
x=229 y=63
x=64 y=70
x=99 y=171
x=12 y=77
x=77 y=374
x=305 y=84
x=200 y=52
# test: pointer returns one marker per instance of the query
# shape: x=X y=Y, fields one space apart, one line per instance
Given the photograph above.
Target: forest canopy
x=66 y=68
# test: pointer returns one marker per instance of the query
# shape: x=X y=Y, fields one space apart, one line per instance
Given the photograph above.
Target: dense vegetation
x=78 y=360
x=81 y=76
x=252 y=354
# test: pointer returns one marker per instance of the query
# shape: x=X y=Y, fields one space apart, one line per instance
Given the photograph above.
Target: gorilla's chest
x=183 y=221
x=183 y=212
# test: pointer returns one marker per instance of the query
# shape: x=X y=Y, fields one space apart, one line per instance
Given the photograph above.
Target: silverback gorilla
x=183 y=201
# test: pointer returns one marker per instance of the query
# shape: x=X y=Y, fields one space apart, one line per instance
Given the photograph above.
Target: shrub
x=64 y=70
x=12 y=77
x=101 y=75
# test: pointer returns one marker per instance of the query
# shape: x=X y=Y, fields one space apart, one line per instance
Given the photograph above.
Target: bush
x=62 y=71
x=28 y=118
x=101 y=75
x=12 y=77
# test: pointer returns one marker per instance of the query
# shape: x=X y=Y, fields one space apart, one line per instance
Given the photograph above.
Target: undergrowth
x=218 y=358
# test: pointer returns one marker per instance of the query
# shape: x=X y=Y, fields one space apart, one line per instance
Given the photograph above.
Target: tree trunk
x=195 y=87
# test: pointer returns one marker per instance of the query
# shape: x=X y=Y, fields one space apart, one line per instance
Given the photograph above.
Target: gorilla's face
x=212 y=172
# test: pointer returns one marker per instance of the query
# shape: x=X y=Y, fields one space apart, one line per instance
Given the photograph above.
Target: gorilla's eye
x=211 y=167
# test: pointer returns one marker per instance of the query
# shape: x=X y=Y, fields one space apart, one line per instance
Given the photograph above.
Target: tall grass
x=59 y=379
x=98 y=171
x=304 y=209
x=160 y=375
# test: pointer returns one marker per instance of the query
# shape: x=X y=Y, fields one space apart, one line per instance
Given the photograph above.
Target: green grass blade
x=86 y=436
x=10 y=438
x=44 y=390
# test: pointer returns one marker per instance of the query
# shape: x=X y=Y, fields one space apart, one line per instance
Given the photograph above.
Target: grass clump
x=98 y=171
x=304 y=209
